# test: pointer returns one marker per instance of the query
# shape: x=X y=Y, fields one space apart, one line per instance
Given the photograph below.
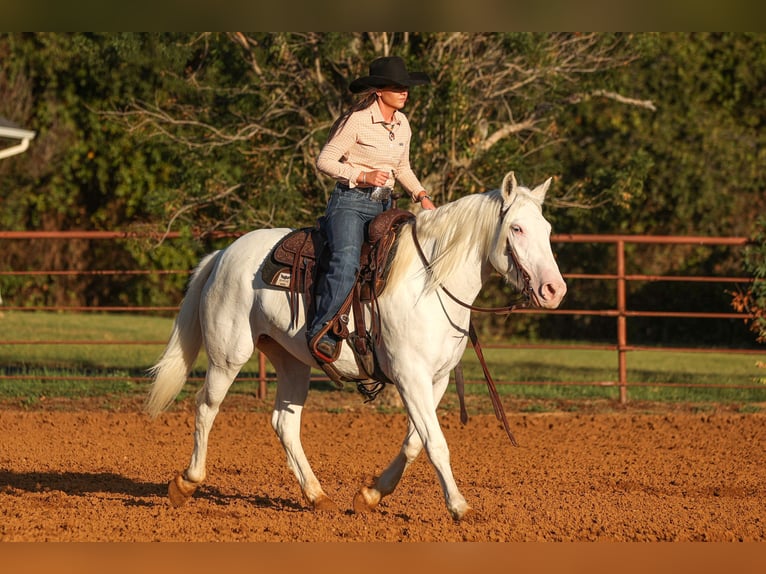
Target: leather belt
x=375 y=193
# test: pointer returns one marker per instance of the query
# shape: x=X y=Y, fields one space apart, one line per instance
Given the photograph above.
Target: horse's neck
x=458 y=238
x=466 y=279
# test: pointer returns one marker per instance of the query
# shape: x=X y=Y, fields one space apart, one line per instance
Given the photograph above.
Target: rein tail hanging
x=496 y=403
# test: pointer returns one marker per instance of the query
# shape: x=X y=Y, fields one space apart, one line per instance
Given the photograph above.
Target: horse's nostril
x=553 y=290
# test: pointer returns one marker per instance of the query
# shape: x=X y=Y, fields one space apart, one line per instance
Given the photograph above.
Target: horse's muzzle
x=551 y=294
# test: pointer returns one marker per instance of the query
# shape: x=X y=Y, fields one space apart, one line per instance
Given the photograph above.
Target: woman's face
x=393 y=97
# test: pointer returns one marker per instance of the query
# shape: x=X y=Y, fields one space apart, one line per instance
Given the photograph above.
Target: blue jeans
x=346 y=217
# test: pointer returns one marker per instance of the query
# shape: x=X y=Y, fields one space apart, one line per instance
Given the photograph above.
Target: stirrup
x=318 y=354
x=325 y=349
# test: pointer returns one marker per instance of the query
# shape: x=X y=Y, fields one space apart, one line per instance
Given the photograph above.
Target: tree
x=643 y=133
x=493 y=101
x=269 y=100
x=82 y=172
x=689 y=168
x=752 y=300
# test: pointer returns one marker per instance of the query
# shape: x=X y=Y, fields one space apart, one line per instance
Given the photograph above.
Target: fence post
x=622 y=331
x=261 y=375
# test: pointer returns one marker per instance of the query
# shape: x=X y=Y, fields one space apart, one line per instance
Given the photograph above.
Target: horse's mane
x=457 y=229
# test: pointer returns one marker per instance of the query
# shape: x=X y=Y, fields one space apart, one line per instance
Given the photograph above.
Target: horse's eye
x=516 y=228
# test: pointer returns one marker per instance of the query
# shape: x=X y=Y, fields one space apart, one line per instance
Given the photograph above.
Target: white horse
x=230 y=309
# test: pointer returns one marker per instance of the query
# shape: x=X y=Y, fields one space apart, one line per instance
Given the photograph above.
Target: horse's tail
x=175 y=364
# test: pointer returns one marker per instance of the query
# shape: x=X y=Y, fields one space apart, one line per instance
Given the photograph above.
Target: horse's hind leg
x=209 y=399
x=293 y=378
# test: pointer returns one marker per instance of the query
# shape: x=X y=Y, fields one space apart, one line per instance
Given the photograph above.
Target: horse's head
x=522 y=249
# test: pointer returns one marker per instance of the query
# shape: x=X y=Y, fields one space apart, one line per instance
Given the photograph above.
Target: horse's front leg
x=368 y=497
x=423 y=415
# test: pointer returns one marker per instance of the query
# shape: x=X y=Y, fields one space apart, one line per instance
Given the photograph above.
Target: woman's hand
x=374 y=178
x=424 y=200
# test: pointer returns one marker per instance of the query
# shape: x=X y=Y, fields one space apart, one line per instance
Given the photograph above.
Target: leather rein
x=527 y=294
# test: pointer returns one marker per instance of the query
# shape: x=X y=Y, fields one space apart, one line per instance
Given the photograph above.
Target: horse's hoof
x=365 y=500
x=180 y=490
x=467 y=515
x=325 y=503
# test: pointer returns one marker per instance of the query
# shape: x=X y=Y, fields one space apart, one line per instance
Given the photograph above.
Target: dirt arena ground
x=82 y=472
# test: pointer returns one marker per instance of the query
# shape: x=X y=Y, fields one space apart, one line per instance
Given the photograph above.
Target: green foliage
x=83 y=172
x=690 y=167
x=753 y=299
x=656 y=133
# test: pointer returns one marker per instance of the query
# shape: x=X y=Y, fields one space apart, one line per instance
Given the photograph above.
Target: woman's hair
x=365 y=100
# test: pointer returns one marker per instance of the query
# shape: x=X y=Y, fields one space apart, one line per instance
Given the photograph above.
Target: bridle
x=527 y=295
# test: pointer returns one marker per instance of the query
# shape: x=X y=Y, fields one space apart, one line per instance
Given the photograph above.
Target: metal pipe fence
x=621 y=312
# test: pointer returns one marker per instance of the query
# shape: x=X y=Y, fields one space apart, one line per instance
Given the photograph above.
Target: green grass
x=99 y=328
x=704 y=373
x=28 y=372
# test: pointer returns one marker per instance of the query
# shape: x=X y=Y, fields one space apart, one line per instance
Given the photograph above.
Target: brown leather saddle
x=295 y=263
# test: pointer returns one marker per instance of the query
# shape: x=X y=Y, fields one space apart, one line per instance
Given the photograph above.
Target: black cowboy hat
x=388 y=71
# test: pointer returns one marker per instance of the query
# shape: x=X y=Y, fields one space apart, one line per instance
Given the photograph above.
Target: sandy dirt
x=82 y=472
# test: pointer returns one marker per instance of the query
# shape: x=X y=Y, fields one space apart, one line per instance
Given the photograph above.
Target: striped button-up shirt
x=365 y=144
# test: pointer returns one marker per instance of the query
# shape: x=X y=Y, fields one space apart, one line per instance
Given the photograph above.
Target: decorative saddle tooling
x=295 y=263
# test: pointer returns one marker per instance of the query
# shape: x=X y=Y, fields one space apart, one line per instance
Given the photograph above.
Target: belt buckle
x=380 y=193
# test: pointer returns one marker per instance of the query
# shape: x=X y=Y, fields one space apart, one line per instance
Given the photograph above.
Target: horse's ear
x=540 y=191
x=509 y=188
